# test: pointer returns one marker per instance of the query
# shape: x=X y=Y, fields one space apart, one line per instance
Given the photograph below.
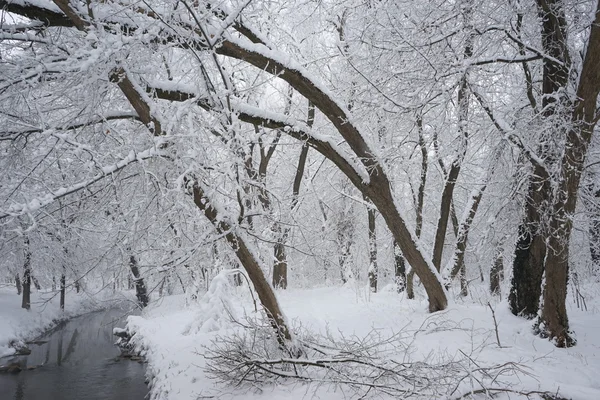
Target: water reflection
x=78 y=361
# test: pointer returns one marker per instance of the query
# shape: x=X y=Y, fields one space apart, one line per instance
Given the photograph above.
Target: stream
x=77 y=361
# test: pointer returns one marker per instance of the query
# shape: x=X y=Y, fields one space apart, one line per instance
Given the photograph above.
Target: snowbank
x=171 y=337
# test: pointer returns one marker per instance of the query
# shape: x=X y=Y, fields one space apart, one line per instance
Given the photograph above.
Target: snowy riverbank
x=19 y=324
x=174 y=337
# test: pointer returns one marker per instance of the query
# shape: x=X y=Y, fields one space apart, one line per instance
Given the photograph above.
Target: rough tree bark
x=530 y=253
x=583 y=118
x=140 y=287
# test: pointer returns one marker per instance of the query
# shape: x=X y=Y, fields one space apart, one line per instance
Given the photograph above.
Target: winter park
x=280 y=199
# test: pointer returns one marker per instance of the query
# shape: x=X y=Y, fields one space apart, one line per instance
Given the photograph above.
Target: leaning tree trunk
x=249 y=262
x=26 y=301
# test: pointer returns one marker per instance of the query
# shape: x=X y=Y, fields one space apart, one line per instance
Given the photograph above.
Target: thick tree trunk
x=553 y=319
x=26 y=301
x=140 y=286
x=265 y=292
x=584 y=119
x=530 y=252
x=528 y=269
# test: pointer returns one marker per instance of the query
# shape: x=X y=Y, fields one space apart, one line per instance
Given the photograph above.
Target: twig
x=495 y=325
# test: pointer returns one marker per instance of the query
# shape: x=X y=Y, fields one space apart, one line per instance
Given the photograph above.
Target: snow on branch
x=373 y=366
x=267 y=119
x=15 y=134
x=509 y=134
x=35 y=204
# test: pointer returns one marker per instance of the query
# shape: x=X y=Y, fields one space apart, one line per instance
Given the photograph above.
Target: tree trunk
x=36 y=283
x=410 y=291
x=26 y=301
x=584 y=119
x=280 y=267
x=399 y=269
x=280 y=264
x=553 y=319
x=593 y=208
x=497 y=273
x=246 y=257
x=464 y=290
x=463 y=111
x=63 y=281
x=461 y=241
x=530 y=252
x=373 y=271
x=528 y=269
x=594 y=232
x=140 y=286
x=18 y=284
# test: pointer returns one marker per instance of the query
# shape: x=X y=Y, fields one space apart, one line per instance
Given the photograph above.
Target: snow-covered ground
x=174 y=333
x=19 y=324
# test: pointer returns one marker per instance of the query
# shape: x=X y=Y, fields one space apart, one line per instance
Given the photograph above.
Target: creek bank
x=79 y=360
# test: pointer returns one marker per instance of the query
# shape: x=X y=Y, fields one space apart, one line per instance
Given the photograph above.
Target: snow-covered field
x=174 y=333
x=19 y=324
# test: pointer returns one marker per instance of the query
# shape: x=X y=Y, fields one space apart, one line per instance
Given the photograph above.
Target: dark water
x=77 y=362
